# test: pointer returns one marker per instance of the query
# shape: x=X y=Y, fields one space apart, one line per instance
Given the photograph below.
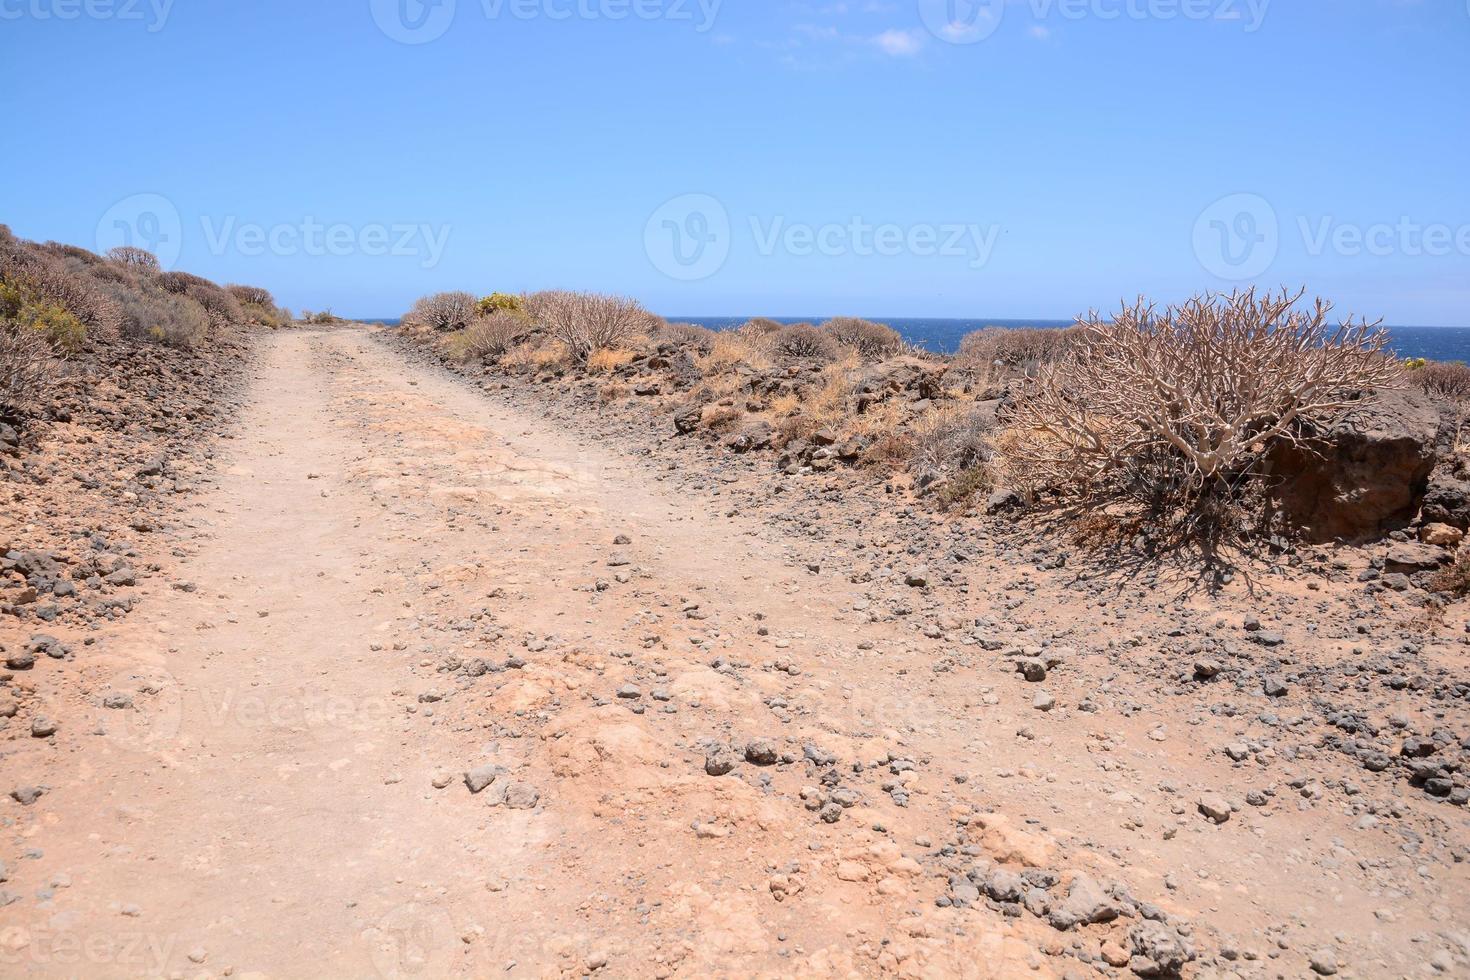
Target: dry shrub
x=1453 y=579
x=134 y=258
x=966 y=485
x=871 y=340
x=760 y=327
x=950 y=439
x=998 y=352
x=588 y=322
x=147 y=311
x=805 y=341
x=688 y=335
x=535 y=357
x=728 y=351
x=608 y=360
x=251 y=295
x=1449 y=380
x=487 y=338
x=611 y=392
x=1177 y=407
x=444 y=311
x=27 y=369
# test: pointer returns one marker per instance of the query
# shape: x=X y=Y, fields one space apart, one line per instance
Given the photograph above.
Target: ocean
x=943 y=336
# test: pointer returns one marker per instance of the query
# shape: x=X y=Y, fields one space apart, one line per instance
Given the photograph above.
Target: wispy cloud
x=899 y=44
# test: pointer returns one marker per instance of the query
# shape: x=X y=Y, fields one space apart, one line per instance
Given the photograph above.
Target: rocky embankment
x=92 y=490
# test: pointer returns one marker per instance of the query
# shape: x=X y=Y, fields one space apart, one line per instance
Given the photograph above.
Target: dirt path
x=397 y=582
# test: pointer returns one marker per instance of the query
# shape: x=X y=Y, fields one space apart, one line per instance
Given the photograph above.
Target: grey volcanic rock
x=1370 y=470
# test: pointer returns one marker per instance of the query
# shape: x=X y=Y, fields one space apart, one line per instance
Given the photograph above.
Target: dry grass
x=729 y=351
x=531 y=357
x=613 y=391
x=609 y=359
x=950 y=439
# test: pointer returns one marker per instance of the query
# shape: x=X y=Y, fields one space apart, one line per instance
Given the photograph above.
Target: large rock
x=1368 y=472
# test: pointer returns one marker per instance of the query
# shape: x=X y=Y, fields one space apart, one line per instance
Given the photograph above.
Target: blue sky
x=1030 y=158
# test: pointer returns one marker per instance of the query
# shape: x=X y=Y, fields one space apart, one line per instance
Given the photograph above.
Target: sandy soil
x=399 y=587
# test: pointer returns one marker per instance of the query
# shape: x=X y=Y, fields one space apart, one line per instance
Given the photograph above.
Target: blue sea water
x=943 y=335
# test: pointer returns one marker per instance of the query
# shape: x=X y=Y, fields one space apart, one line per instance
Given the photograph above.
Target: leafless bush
x=997 y=352
x=132 y=257
x=804 y=340
x=153 y=313
x=760 y=327
x=27 y=369
x=1179 y=406
x=253 y=295
x=950 y=439
x=444 y=311
x=488 y=337
x=871 y=340
x=588 y=322
x=1450 y=380
x=688 y=335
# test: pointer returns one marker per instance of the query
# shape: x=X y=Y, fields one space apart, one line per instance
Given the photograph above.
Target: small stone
x=479 y=778
x=1323 y=961
x=1215 y=807
x=42 y=727
x=26 y=795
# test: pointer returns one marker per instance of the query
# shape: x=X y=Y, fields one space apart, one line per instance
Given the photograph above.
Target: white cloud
x=899 y=44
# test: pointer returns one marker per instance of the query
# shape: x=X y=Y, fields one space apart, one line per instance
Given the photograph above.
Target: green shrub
x=24 y=309
x=500 y=303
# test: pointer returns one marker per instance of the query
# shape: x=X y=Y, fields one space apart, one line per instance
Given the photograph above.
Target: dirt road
x=438 y=687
